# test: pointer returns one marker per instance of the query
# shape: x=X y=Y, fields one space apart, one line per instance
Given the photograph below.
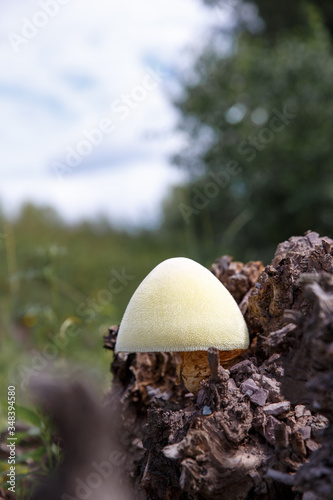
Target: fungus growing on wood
x=182 y=307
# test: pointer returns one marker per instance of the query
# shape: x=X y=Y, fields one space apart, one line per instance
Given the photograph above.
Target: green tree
x=260 y=118
x=277 y=17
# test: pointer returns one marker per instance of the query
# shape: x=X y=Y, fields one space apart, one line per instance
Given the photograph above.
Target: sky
x=86 y=121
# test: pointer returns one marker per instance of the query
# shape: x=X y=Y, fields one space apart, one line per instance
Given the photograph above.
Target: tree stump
x=261 y=430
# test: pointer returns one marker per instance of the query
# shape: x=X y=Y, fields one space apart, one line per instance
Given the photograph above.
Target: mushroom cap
x=181 y=306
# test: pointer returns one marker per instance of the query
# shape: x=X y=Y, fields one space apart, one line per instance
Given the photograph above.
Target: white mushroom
x=181 y=306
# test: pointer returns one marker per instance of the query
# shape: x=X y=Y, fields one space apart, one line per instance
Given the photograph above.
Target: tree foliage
x=277 y=17
x=259 y=127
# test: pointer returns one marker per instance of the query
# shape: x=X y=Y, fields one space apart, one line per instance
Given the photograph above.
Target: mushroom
x=182 y=307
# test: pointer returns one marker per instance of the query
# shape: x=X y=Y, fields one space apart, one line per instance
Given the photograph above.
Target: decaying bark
x=6 y=495
x=237 y=277
x=261 y=430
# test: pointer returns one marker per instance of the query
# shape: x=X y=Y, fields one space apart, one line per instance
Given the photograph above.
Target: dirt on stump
x=261 y=430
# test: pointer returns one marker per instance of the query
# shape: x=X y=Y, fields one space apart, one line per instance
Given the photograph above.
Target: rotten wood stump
x=261 y=430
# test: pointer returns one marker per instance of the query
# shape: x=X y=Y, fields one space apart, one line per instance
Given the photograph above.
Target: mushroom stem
x=195 y=368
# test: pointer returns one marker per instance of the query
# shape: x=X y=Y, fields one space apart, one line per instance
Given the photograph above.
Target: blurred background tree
x=277 y=17
x=259 y=128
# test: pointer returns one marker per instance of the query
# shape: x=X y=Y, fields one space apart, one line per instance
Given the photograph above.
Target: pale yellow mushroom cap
x=181 y=306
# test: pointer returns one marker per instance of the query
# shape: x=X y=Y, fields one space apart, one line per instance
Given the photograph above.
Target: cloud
x=107 y=192
x=67 y=77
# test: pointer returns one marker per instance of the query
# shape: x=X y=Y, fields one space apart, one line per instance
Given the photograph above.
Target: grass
x=61 y=287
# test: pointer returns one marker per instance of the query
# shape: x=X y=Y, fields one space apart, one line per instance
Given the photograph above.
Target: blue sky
x=85 y=121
